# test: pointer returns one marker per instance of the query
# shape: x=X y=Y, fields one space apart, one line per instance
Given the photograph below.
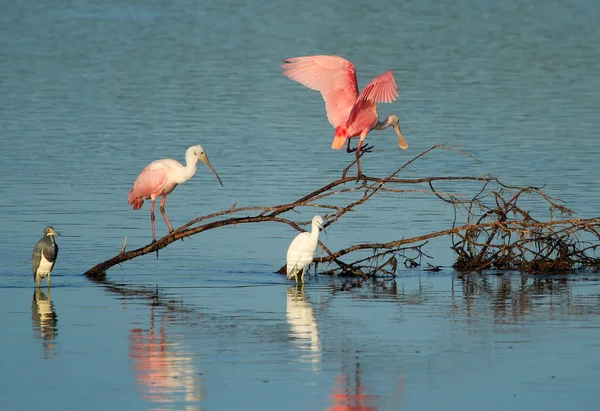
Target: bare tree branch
x=493 y=232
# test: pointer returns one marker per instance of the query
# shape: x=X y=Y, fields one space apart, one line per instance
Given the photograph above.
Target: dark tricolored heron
x=44 y=256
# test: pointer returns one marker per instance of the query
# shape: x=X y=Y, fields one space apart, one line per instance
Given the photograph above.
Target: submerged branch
x=495 y=232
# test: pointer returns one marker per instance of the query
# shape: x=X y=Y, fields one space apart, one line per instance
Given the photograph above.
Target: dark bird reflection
x=44 y=321
x=303 y=325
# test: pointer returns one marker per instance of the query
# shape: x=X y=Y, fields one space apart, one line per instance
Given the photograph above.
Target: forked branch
x=490 y=230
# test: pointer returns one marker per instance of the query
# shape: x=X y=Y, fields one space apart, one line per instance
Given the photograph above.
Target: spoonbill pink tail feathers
x=338 y=142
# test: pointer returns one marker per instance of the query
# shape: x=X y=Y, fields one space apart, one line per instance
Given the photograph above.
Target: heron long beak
x=204 y=159
x=52 y=232
x=322 y=227
x=401 y=141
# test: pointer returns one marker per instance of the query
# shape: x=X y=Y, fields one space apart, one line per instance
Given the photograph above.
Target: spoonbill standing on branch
x=160 y=178
x=350 y=113
x=302 y=250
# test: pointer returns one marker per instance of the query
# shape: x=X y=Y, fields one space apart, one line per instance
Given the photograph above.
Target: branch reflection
x=514 y=297
x=506 y=297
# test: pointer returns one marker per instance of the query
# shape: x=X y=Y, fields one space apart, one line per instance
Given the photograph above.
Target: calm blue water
x=93 y=91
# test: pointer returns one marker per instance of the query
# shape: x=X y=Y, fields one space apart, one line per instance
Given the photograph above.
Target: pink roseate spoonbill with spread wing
x=160 y=178
x=350 y=113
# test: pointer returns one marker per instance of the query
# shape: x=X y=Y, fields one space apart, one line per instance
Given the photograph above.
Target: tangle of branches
x=490 y=230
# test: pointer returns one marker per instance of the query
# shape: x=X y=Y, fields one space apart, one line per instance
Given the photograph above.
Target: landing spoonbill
x=350 y=113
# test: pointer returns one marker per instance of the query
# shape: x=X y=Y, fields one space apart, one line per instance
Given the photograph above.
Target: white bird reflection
x=164 y=369
x=43 y=320
x=304 y=332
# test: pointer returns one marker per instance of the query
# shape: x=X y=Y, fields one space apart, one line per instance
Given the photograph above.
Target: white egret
x=302 y=249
